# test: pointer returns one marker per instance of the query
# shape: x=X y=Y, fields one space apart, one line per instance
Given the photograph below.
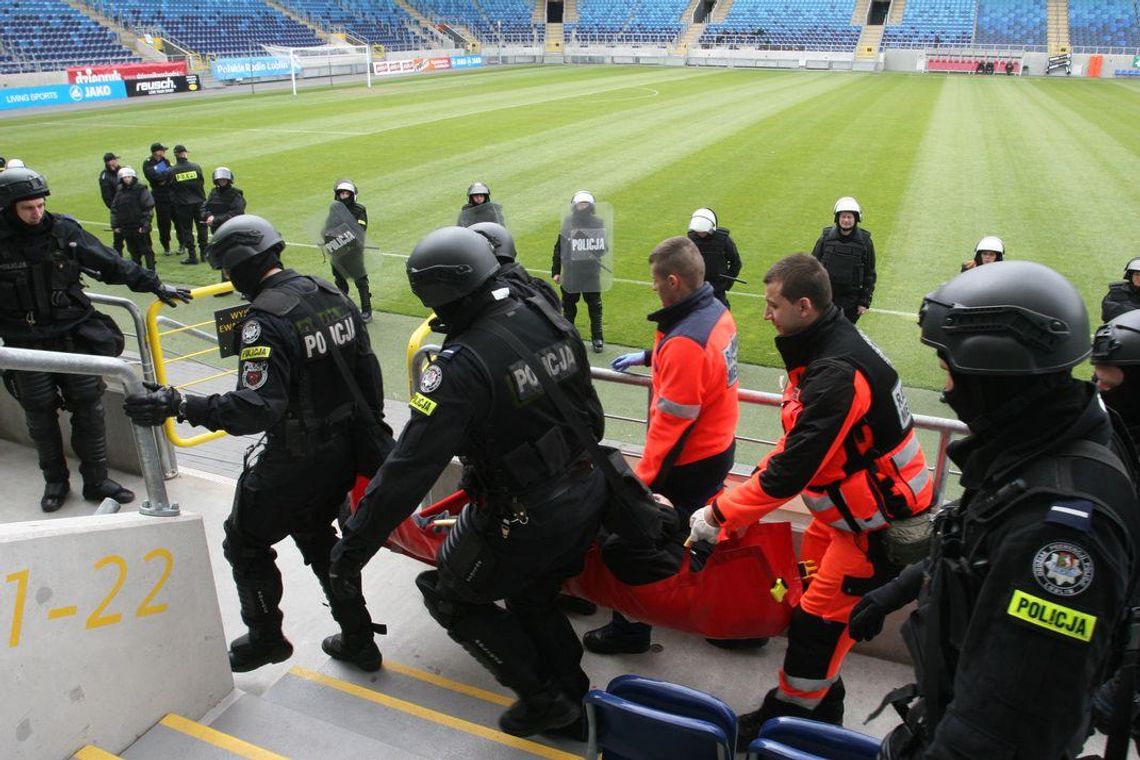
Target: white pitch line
x=624 y=281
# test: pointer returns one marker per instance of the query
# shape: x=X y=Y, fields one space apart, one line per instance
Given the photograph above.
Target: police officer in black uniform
x=345 y=192
x=1122 y=296
x=188 y=193
x=523 y=282
x=1030 y=575
x=535 y=499
x=108 y=185
x=718 y=249
x=587 y=274
x=225 y=202
x=480 y=207
x=1116 y=365
x=292 y=387
x=130 y=216
x=847 y=253
x=156 y=169
x=43 y=307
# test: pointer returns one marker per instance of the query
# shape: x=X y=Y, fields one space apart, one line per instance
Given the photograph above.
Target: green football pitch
x=1050 y=165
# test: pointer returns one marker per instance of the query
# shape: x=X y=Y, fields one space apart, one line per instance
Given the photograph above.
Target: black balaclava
x=247 y=275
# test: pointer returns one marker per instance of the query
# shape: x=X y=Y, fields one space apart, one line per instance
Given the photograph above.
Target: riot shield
x=342 y=240
x=586 y=248
x=484 y=212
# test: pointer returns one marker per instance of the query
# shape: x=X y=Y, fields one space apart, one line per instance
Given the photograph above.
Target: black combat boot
x=619 y=636
x=252 y=650
x=829 y=710
x=107 y=489
x=54 y=495
x=356 y=649
x=546 y=710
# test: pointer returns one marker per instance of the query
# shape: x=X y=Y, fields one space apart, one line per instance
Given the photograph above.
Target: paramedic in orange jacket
x=850 y=451
x=693 y=410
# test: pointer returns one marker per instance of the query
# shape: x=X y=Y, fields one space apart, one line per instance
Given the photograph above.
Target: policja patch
x=1063 y=568
x=250 y=332
x=431 y=378
x=254 y=374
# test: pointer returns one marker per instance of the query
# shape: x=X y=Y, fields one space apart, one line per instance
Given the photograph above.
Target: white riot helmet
x=847 y=203
x=582 y=196
x=223 y=172
x=990 y=243
x=127 y=171
x=344 y=184
x=14 y=163
x=703 y=220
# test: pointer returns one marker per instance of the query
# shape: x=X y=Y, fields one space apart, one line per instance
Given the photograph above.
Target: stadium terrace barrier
x=126 y=71
x=263 y=67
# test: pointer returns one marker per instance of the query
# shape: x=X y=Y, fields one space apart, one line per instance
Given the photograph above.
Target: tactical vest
x=883 y=444
x=525 y=446
x=714 y=249
x=41 y=296
x=842 y=257
x=321 y=404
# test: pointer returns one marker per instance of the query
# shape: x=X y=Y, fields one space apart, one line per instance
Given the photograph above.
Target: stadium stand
x=225 y=27
x=49 y=34
x=1011 y=23
x=934 y=23
x=1097 y=24
x=374 y=21
x=787 y=25
x=613 y=22
x=508 y=21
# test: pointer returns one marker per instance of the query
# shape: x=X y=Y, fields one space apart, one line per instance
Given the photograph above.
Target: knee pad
x=316 y=549
x=83 y=393
x=36 y=391
x=244 y=556
x=444 y=609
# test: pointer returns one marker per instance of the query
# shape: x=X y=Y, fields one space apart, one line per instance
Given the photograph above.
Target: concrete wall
x=109 y=623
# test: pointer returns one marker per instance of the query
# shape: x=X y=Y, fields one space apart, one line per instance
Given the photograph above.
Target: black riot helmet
x=21 y=184
x=448 y=264
x=478 y=188
x=1006 y=319
x=1118 y=342
x=501 y=240
x=241 y=239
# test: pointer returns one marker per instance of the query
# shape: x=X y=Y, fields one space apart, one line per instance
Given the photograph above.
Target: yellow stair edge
x=91 y=752
x=221 y=740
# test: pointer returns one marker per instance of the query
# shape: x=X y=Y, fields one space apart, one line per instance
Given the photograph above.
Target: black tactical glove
x=170 y=295
x=868 y=614
x=154 y=407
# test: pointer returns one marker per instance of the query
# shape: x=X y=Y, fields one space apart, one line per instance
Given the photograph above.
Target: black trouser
x=530 y=646
x=299 y=497
x=39 y=393
x=117 y=241
x=140 y=248
x=185 y=221
x=163 y=214
x=361 y=288
x=593 y=304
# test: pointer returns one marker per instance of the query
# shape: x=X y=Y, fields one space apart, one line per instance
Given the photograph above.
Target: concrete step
x=413 y=709
x=178 y=737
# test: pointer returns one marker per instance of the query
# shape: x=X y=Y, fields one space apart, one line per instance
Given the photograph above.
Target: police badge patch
x=431 y=378
x=1063 y=568
x=254 y=374
x=250 y=332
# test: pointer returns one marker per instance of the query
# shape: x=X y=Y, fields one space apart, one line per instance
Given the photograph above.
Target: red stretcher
x=746 y=589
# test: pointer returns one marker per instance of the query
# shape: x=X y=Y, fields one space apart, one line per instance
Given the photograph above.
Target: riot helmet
x=479 y=188
x=223 y=173
x=582 y=196
x=1118 y=341
x=703 y=220
x=1007 y=319
x=14 y=163
x=991 y=243
x=1131 y=268
x=344 y=185
x=847 y=203
x=448 y=264
x=241 y=239
x=501 y=240
x=18 y=183
x=127 y=171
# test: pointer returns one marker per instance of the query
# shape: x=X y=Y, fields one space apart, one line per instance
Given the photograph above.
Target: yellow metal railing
x=154 y=338
x=415 y=341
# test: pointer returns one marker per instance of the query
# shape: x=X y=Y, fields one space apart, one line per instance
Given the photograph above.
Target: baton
x=734 y=279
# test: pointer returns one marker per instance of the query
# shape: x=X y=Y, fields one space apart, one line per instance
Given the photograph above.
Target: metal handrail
x=146 y=359
x=157 y=504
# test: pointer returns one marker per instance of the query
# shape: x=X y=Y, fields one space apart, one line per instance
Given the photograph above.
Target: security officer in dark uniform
x=718 y=249
x=587 y=273
x=291 y=386
x=108 y=185
x=43 y=307
x=480 y=207
x=1029 y=577
x=156 y=169
x=225 y=202
x=1122 y=296
x=1116 y=365
x=523 y=282
x=535 y=499
x=345 y=192
x=847 y=253
x=130 y=217
x=188 y=192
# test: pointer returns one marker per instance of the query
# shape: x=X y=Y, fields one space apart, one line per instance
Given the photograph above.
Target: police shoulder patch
x=250 y=332
x=1061 y=620
x=423 y=404
x=255 y=352
x=431 y=378
x=254 y=374
x=1063 y=568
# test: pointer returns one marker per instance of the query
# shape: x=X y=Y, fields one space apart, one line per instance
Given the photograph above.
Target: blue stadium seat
x=786 y=25
x=934 y=23
x=1097 y=24
x=675 y=698
x=49 y=34
x=1015 y=23
x=801 y=739
x=625 y=730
